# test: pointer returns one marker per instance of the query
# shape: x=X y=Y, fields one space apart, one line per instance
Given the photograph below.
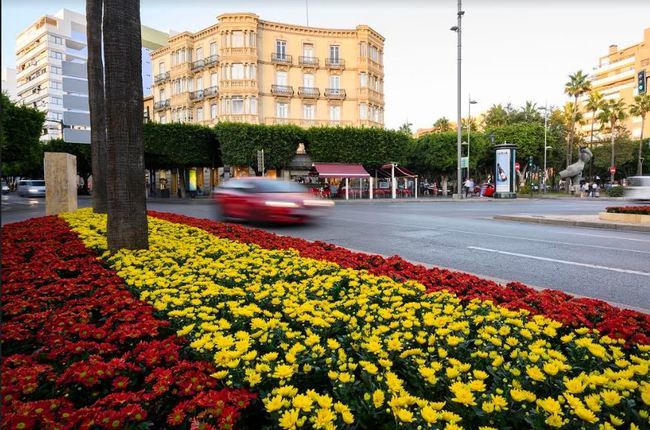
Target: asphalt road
x=606 y=264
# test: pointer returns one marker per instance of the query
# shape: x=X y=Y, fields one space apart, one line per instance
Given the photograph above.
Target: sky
x=513 y=50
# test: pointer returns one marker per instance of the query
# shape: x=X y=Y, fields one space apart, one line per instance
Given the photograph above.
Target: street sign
x=612 y=170
x=517 y=166
x=260 y=161
x=464 y=162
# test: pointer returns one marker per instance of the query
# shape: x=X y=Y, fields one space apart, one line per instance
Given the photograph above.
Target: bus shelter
x=339 y=177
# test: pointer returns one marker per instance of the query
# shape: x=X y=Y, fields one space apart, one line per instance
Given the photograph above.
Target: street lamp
x=457 y=29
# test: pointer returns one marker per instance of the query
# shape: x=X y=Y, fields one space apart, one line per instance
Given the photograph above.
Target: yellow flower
x=283 y=371
x=378 y=398
x=429 y=415
x=289 y=419
x=551 y=368
x=522 y=395
x=574 y=385
x=220 y=374
x=586 y=415
x=404 y=415
x=464 y=396
x=347 y=416
x=302 y=402
x=274 y=404
x=554 y=421
x=535 y=373
x=323 y=418
x=550 y=405
x=610 y=397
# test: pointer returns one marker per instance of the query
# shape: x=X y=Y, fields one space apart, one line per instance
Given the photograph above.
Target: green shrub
x=616 y=191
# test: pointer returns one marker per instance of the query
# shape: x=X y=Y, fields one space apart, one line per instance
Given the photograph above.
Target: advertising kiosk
x=505 y=176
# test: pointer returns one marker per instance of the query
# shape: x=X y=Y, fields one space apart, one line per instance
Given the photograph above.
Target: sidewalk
x=591 y=221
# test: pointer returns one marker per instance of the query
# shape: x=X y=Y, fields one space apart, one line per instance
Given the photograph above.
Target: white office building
x=51 y=72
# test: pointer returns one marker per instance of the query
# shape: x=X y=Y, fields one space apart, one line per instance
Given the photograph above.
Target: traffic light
x=643 y=85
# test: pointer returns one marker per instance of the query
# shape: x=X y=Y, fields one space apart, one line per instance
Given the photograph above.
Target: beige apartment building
x=615 y=77
x=244 y=69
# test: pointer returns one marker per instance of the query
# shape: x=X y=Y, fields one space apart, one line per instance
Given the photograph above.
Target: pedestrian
x=594 y=189
x=466 y=185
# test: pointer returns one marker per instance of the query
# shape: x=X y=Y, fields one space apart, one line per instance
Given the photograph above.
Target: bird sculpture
x=574 y=171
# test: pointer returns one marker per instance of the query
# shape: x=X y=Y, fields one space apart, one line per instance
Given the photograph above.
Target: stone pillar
x=60 y=183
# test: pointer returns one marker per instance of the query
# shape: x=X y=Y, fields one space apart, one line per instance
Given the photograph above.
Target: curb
x=564 y=222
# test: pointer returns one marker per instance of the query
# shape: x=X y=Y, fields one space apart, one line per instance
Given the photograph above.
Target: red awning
x=336 y=170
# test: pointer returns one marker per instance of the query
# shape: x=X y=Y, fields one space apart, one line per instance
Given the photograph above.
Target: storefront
x=336 y=180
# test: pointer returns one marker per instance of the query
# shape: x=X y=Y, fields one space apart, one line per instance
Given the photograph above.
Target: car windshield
x=279 y=187
x=35 y=183
x=639 y=181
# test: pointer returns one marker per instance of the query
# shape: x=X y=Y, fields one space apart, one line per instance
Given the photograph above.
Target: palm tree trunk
x=569 y=152
x=639 y=166
x=96 y=103
x=127 y=212
x=613 y=153
x=591 y=144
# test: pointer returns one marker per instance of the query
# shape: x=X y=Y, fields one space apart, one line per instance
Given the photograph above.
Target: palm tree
x=442 y=124
x=640 y=108
x=125 y=185
x=95 y=67
x=593 y=105
x=577 y=85
x=612 y=112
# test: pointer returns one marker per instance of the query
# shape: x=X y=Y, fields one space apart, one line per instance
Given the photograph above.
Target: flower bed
x=639 y=210
x=327 y=346
x=79 y=351
x=577 y=312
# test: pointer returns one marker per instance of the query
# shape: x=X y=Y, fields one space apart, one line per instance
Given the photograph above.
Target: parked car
x=31 y=188
x=638 y=188
x=261 y=199
x=5 y=187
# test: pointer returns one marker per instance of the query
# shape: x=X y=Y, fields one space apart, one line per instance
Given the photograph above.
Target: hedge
x=179 y=145
x=639 y=210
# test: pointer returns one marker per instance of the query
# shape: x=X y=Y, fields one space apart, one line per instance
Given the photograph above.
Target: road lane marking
x=553 y=260
x=452 y=230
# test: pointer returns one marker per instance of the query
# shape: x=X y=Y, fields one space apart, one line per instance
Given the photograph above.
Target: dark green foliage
x=21 y=128
x=371 y=147
x=179 y=145
x=240 y=142
x=616 y=191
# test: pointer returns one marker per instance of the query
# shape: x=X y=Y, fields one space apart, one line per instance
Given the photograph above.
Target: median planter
x=625 y=217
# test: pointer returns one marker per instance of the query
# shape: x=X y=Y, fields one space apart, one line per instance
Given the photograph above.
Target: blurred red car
x=268 y=200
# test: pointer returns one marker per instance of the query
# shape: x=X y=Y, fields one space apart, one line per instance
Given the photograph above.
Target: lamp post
x=457 y=29
x=546 y=147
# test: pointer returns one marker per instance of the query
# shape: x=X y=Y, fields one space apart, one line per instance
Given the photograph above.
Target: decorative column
x=60 y=183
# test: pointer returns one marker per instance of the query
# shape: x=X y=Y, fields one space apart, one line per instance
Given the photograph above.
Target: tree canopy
x=19 y=139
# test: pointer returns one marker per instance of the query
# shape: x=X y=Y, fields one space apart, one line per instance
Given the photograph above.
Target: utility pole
x=458 y=31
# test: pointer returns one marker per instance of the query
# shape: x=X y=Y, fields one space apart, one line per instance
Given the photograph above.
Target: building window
x=282 y=110
x=198 y=54
x=334 y=54
x=199 y=83
x=199 y=114
x=335 y=113
x=308 y=80
x=56 y=70
x=281 y=49
x=281 y=78
x=237 y=71
x=253 y=101
x=213 y=111
x=56 y=85
x=55 y=39
x=161 y=94
x=363 y=79
x=307 y=50
x=163 y=119
x=213 y=48
x=213 y=80
x=363 y=49
x=335 y=82
x=374 y=54
x=308 y=111
x=363 y=111
x=161 y=67
x=56 y=55
x=237 y=105
x=237 y=39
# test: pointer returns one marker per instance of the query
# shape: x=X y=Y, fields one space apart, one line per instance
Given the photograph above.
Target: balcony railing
x=308 y=92
x=238 y=83
x=161 y=104
x=161 y=77
x=306 y=122
x=211 y=60
x=335 y=93
x=196 y=95
x=280 y=58
x=282 y=90
x=198 y=64
x=210 y=92
x=335 y=63
x=308 y=61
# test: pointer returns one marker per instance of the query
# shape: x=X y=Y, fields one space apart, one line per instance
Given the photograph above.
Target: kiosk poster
x=503 y=171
